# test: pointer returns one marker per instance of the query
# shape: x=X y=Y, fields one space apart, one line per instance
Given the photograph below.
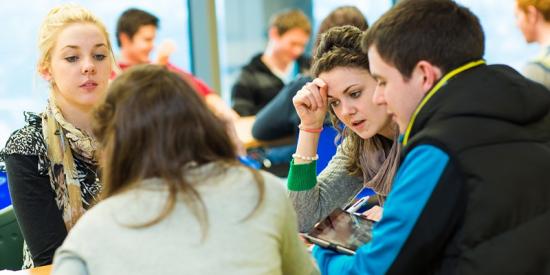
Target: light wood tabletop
x=43 y=270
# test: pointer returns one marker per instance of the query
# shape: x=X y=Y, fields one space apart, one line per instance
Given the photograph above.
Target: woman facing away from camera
x=368 y=155
x=176 y=201
x=52 y=162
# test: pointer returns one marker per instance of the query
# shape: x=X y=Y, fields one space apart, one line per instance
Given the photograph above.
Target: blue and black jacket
x=472 y=195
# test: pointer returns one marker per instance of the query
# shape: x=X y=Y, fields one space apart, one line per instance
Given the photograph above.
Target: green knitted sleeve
x=302 y=177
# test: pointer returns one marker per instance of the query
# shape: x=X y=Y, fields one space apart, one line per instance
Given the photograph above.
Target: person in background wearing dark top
x=52 y=161
x=136 y=31
x=472 y=192
x=279 y=119
x=268 y=72
x=533 y=19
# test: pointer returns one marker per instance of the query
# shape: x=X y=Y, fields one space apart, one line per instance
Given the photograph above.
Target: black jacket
x=257 y=85
x=279 y=119
x=495 y=126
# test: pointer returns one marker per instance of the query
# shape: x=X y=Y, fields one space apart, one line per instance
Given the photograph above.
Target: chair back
x=11 y=241
x=4 y=193
x=326 y=148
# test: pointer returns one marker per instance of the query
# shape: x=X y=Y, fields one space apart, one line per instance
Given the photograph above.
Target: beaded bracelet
x=318 y=130
x=296 y=156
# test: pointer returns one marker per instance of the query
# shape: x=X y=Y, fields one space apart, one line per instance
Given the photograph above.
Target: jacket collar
x=434 y=90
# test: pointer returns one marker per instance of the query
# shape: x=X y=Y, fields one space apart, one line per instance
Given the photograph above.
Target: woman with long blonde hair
x=52 y=161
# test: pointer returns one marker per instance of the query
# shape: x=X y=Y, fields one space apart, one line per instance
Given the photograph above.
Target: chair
x=326 y=148
x=4 y=192
x=11 y=241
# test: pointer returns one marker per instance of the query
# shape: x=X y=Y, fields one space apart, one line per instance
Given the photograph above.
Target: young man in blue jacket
x=472 y=195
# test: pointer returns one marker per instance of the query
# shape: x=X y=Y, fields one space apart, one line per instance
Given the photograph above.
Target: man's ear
x=429 y=75
x=273 y=33
x=125 y=39
x=533 y=15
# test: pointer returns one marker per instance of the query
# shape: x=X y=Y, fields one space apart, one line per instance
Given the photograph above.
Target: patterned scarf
x=64 y=141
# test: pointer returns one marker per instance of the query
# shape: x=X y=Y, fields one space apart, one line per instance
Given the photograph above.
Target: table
x=43 y=270
x=243 y=126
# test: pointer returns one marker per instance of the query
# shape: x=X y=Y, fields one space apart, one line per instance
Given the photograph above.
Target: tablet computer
x=341 y=231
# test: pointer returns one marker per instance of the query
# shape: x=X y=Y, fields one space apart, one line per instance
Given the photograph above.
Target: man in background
x=533 y=19
x=135 y=32
x=268 y=72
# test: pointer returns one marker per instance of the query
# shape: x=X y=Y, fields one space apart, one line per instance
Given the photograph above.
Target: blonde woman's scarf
x=63 y=142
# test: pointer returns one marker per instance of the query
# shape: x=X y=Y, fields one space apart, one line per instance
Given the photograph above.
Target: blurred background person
x=279 y=119
x=136 y=31
x=283 y=59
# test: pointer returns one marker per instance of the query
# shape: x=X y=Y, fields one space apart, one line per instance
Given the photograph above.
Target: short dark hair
x=131 y=20
x=439 y=31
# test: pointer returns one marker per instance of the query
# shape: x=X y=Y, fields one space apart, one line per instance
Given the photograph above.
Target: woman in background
x=176 y=200
x=52 y=162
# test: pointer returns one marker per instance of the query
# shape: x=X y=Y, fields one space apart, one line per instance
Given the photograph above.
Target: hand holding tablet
x=341 y=231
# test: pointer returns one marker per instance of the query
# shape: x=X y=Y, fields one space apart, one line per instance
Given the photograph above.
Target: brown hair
x=438 y=31
x=376 y=158
x=154 y=125
x=542 y=6
x=342 y=16
x=290 y=19
x=131 y=20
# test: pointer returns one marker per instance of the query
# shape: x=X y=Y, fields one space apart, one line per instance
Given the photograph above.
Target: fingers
x=315 y=95
x=301 y=99
x=311 y=95
x=375 y=213
x=323 y=90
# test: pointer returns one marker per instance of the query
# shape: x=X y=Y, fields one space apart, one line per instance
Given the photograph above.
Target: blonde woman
x=52 y=161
